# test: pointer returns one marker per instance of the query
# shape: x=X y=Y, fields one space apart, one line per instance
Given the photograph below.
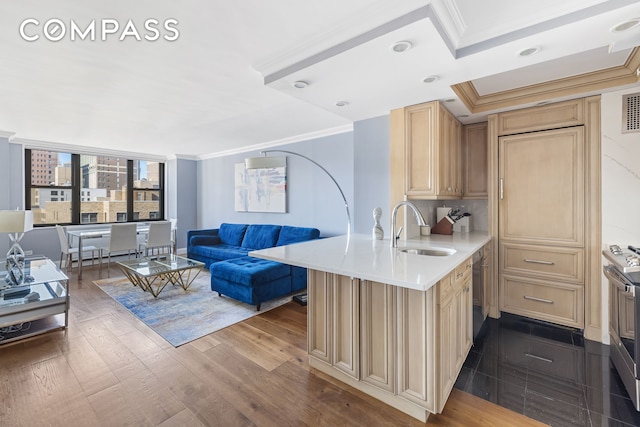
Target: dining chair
x=123 y=237
x=159 y=237
x=67 y=251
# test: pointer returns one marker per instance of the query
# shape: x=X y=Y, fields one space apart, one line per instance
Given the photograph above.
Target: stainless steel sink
x=428 y=251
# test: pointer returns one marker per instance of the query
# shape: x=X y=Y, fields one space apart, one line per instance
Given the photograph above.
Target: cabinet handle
x=536 y=261
x=544 y=359
x=501 y=188
x=546 y=301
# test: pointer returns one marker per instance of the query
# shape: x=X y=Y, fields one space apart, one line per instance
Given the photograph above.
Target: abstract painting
x=260 y=190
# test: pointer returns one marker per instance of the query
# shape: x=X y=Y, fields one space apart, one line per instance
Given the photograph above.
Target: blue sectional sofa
x=251 y=280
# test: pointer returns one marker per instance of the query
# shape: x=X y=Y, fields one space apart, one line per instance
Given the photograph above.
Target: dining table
x=96 y=233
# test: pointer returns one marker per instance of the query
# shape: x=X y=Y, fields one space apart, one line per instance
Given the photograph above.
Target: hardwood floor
x=109 y=369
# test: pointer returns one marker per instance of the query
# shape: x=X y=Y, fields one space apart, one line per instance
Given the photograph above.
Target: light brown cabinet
x=403 y=346
x=430 y=139
x=475 y=161
x=542 y=214
x=455 y=329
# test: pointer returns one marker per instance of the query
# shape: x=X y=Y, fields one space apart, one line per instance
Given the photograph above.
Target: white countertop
x=360 y=256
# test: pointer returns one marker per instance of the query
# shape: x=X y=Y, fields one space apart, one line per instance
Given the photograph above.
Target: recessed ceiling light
x=450 y=100
x=463 y=116
x=401 y=46
x=627 y=25
x=342 y=103
x=430 y=79
x=300 y=84
x=529 y=51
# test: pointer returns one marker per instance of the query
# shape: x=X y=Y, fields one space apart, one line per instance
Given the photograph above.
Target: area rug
x=181 y=316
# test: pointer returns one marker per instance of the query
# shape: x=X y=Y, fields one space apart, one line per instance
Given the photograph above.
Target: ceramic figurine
x=377 y=232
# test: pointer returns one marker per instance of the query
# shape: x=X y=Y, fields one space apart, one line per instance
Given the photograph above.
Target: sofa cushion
x=261 y=236
x=219 y=252
x=290 y=235
x=204 y=240
x=232 y=234
x=249 y=271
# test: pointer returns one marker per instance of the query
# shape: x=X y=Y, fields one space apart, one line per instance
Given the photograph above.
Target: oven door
x=623 y=317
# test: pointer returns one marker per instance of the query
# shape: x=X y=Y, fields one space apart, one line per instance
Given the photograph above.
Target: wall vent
x=631 y=113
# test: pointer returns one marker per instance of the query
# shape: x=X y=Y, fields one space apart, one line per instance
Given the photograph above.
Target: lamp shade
x=264 y=162
x=16 y=221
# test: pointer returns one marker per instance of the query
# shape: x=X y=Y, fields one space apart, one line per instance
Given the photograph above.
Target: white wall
x=620 y=184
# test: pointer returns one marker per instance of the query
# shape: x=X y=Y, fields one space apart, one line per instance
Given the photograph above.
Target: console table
x=18 y=315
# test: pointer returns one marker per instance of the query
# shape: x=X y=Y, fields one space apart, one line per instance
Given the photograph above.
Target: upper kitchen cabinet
x=474 y=161
x=429 y=138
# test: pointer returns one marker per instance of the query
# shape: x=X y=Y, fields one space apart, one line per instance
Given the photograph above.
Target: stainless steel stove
x=623 y=273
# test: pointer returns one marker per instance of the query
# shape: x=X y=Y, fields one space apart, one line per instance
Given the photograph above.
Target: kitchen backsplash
x=478 y=209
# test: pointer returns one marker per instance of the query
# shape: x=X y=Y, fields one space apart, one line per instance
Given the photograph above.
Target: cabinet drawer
x=566 y=264
x=463 y=272
x=554 y=302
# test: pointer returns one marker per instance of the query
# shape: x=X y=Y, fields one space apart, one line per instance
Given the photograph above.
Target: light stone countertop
x=360 y=256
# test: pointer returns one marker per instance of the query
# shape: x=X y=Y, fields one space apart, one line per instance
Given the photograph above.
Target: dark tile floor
x=548 y=373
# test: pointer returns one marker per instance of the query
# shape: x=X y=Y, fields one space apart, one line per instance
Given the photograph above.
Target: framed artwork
x=261 y=190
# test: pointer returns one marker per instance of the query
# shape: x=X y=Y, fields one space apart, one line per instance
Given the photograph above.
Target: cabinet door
x=463 y=299
x=466 y=321
x=319 y=317
x=475 y=161
x=346 y=325
x=542 y=187
x=420 y=150
x=377 y=334
x=449 y=180
x=447 y=340
x=417 y=375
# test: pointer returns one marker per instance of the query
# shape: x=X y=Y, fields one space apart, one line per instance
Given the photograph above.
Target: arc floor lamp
x=270 y=162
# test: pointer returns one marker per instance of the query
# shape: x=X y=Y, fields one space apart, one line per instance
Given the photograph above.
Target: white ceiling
x=226 y=83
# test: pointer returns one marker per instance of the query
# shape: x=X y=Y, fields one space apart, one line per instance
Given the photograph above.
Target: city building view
x=103 y=188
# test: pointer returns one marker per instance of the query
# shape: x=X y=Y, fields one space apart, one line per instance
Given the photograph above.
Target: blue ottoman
x=251 y=280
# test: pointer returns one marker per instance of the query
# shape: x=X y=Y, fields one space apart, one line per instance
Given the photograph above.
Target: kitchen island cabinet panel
x=416 y=347
x=346 y=324
x=378 y=333
x=401 y=345
x=373 y=314
x=319 y=316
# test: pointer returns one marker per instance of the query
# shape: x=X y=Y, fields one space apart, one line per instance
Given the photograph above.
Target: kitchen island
x=392 y=323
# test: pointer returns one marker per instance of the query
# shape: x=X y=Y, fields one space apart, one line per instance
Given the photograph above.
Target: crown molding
x=621 y=75
x=81 y=149
x=276 y=143
x=183 y=157
x=7 y=134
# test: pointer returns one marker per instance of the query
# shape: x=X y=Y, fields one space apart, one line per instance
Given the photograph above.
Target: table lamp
x=16 y=223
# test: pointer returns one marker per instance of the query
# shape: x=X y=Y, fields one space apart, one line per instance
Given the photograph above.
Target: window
x=89 y=217
x=84 y=189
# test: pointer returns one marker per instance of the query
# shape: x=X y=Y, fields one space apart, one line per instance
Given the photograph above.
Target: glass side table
x=35 y=306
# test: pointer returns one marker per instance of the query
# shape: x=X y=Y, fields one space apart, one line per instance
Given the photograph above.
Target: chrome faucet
x=416 y=212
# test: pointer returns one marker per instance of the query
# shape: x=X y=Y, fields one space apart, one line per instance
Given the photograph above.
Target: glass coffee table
x=153 y=274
